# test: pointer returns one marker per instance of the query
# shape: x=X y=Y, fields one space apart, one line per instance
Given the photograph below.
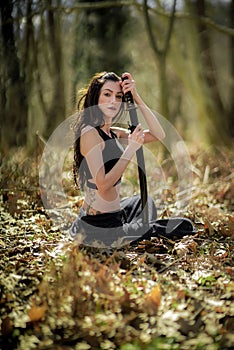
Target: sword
x=140 y=157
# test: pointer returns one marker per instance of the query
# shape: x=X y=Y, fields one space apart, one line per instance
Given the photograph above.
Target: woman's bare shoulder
x=88 y=129
x=90 y=139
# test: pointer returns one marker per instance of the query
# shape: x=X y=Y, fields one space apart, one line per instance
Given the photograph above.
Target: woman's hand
x=129 y=85
x=155 y=131
x=136 y=139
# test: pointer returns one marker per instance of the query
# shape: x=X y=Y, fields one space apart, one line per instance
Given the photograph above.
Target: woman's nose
x=114 y=99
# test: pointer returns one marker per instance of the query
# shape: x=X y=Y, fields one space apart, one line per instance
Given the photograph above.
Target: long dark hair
x=89 y=114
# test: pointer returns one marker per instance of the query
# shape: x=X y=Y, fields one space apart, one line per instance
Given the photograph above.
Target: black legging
x=118 y=227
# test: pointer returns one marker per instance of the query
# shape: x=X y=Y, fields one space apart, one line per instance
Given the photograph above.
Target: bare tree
x=192 y=59
x=210 y=76
x=231 y=107
x=161 y=56
x=56 y=111
x=194 y=68
x=14 y=104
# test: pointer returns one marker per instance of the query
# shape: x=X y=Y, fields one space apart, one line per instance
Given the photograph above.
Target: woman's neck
x=106 y=129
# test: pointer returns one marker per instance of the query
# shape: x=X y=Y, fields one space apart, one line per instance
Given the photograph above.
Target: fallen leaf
x=36 y=313
x=208 y=227
x=153 y=299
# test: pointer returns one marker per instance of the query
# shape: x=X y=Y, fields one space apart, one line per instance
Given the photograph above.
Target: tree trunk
x=209 y=71
x=161 y=56
x=231 y=108
x=164 y=89
x=210 y=126
x=56 y=113
x=14 y=105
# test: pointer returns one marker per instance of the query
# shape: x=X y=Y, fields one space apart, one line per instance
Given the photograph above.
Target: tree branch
x=149 y=29
x=170 y=27
x=183 y=15
x=117 y=3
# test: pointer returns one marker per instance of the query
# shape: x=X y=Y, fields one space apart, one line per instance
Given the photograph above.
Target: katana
x=140 y=158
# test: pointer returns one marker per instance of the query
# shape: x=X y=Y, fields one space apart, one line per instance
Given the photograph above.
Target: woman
x=101 y=155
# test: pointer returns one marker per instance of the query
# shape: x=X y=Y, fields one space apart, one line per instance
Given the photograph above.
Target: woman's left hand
x=129 y=84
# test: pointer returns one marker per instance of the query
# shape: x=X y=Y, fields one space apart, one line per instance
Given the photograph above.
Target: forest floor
x=56 y=294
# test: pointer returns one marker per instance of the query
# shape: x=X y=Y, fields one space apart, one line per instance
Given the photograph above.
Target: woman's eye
x=119 y=97
x=107 y=94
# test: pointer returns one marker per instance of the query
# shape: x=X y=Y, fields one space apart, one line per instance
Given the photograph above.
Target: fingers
x=126 y=74
x=138 y=134
x=128 y=84
x=139 y=130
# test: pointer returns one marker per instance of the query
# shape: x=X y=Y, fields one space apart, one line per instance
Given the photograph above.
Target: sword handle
x=128 y=97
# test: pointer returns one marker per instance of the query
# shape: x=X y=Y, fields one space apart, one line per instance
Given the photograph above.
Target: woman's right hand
x=136 y=139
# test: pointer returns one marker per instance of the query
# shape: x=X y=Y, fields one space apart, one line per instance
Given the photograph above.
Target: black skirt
x=116 y=228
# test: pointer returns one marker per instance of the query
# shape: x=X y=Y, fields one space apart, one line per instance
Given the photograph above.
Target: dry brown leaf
x=36 y=312
x=153 y=299
x=208 y=227
x=230 y=270
x=185 y=245
x=181 y=294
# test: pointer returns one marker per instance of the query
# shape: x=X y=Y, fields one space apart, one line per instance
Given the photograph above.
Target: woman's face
x=110 y=98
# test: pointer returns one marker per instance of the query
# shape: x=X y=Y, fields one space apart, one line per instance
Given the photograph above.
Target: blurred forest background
x=179 y=52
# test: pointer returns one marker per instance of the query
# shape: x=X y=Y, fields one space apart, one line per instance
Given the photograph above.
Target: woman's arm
x=155 y=131
x=91 y=148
